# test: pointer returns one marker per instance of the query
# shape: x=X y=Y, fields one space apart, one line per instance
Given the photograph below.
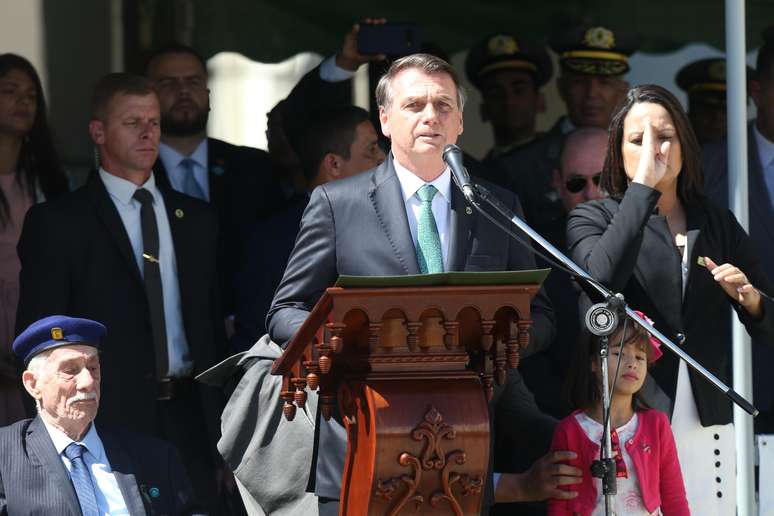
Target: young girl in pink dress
x=648 y=477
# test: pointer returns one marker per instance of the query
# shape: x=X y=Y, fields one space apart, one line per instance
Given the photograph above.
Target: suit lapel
x=160 y=174
x=178 y=227
x=108 y=213
x=122 y=467
x=216 y=172
x=43 y=454
x=385 y=194
x=760 y=203
x=461 y=223
x=658 y=251
x=696 y=218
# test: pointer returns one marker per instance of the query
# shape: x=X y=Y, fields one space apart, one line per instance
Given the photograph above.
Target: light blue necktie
x=81 y=478
x=429 y=254
x=190 y=186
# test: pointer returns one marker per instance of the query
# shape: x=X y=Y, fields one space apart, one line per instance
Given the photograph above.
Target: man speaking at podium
x=402 y=217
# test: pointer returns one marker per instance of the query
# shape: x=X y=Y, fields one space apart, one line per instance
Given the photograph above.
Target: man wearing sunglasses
x=576 y=180
x=580 y=165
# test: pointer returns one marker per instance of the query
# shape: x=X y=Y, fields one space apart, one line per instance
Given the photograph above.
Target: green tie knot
x=426 y=193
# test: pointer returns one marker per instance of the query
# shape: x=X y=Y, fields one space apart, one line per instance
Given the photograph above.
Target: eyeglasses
x=575 y=184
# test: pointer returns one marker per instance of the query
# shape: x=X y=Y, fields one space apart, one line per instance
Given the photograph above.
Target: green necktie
x=429 y=253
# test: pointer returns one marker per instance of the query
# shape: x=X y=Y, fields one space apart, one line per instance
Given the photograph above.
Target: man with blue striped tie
x=58 y=463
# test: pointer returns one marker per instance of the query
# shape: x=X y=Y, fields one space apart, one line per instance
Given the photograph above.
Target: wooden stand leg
x=416 y=447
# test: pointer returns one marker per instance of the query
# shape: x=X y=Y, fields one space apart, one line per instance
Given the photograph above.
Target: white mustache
x=82 y=396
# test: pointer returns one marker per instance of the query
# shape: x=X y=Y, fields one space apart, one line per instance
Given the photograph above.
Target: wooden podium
x=411 y=370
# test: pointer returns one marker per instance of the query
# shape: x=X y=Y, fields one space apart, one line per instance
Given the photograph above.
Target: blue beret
x=55 y=331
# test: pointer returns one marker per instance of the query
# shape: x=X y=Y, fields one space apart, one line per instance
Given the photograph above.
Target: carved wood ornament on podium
x=411 y=371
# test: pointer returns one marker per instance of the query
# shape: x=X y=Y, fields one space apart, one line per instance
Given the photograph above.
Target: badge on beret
x=599 y=37
x=57 y=334
x=717 y=71
x=502 y=45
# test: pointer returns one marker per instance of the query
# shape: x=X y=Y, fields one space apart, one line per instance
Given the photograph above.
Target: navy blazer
x=242 y=191
x=33 y=479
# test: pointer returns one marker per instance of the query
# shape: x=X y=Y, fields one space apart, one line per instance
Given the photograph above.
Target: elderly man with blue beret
x=58 y=463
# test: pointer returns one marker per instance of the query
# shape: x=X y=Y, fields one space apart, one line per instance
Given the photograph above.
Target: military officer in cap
x=58 y=463
x=593 y=60
x=509 y=72
x=705 y=83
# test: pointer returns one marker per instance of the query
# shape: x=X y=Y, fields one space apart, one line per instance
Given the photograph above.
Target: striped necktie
x=81 y=478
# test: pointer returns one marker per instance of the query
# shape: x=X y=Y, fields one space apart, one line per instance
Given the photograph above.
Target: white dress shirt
x=409 y=184
x=766 y=157
x=121 y=193
x=109 y=498
x=176 y=172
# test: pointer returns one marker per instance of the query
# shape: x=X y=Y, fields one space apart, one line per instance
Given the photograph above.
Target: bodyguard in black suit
x=57 y=463
x=365 y=225
x=91 y=254
x=236 y=180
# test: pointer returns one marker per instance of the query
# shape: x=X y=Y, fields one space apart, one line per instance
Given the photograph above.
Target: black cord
x=528 y=246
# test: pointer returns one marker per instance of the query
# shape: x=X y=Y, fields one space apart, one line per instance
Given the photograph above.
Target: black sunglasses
x=575 y=184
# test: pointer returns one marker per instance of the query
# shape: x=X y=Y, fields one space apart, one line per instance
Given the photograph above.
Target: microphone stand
x=580 y=275
x=605 y=468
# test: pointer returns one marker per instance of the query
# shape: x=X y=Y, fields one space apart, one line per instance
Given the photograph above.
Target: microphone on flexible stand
x=452 y=155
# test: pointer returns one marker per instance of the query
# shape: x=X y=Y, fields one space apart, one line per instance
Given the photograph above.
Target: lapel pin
x=179 y=213
x=154 y=492
x=701 y=262
x=468 y=210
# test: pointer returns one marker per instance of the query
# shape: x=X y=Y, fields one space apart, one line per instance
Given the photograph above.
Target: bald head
x=581 y=161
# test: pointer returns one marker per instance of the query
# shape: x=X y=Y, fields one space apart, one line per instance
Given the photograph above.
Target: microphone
x=601 y=320
x=452 y=155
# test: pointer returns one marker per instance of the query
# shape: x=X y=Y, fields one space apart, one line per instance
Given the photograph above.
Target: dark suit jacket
x=267 y=250
x=77 y=260
x=715 y=157
x=358 y=226
x=33 y=479
x=242 y=190
x=630 y=249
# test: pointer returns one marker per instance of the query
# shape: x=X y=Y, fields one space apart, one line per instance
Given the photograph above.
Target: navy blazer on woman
x=628 y=246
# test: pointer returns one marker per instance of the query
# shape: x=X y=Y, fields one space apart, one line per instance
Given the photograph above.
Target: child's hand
x=735 y=283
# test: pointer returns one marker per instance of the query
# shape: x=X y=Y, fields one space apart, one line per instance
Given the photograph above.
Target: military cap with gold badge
x=507 y=52
x=595 y=49
x=705 y=80
x=55 y=331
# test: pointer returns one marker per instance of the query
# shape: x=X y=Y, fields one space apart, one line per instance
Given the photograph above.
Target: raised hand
x=735 y=283
x=350 y=58
x=654 y=156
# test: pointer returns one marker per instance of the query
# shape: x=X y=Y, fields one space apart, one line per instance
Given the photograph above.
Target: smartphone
x=390 y=39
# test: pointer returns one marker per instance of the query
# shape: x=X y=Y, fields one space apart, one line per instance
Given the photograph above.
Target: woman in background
x=30 y=172
x=684 y=261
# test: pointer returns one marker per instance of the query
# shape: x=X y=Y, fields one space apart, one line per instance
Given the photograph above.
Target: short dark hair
x=114 y=84
x=690 y=182
x=174 y=48
x=328 y=131
x=583 y=387
x=428 y=64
